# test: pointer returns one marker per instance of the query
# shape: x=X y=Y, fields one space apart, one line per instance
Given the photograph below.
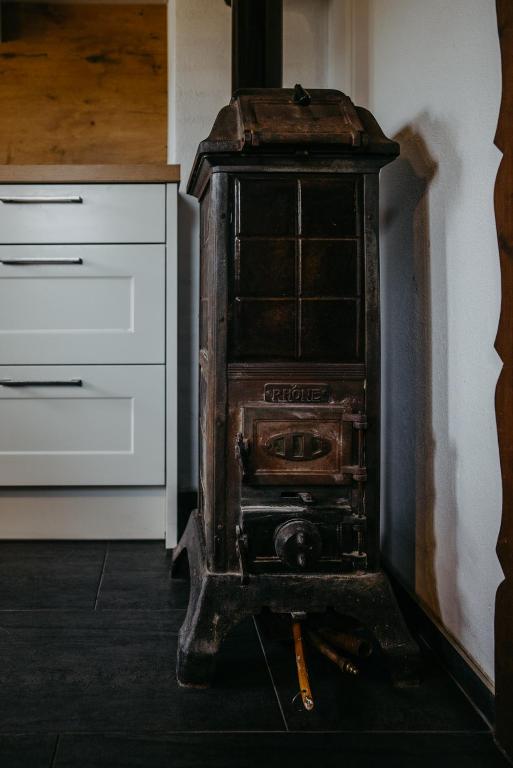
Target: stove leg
x=207 y=621
x=201 y=635
x=372 y=603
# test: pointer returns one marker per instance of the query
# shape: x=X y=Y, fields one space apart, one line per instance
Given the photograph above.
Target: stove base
x=219 y=601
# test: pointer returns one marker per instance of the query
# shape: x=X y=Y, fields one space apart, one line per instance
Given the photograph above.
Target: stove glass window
x=296 y=273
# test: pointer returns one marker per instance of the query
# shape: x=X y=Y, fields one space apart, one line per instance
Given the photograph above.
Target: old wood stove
x=288 y=512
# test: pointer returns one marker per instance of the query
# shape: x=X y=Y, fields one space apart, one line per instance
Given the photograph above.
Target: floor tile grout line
x=84 y=608
x=271 y=675
x=101 y=576
x=55 y=750
x=159 y=734
x=505 y=755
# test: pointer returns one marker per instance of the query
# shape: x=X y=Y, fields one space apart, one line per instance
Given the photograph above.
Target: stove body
x=288 y=512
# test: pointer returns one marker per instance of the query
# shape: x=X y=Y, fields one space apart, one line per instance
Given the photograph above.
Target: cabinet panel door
x=82 y=425
x=87 y=304
x=82 y=213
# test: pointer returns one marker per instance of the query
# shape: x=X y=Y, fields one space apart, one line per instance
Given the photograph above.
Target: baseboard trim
x=451 y=656
x=83 y=513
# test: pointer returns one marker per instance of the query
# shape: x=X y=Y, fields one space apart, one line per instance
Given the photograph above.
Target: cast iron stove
x=288 y=514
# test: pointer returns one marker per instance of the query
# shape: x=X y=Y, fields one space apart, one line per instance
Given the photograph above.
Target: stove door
x=299 y=445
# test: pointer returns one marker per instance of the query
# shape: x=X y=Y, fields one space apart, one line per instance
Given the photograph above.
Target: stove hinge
x=242 y=454
x=358 y=557
x=241 y=543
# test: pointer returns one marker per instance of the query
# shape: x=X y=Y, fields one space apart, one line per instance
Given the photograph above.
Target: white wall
x=434 y=84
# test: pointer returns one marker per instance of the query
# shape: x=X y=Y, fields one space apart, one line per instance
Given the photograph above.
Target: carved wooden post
x=504 y=393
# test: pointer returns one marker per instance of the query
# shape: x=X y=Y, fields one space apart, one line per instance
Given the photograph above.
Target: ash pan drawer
x=82 y=425
x=90 y=304
x=82 y=213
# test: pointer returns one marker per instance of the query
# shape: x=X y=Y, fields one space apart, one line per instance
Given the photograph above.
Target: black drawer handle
x=30 y=383
x=41 y=199
x=40 y=262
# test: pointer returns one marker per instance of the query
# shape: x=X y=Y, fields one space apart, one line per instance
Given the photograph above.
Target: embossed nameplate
x=297 y=393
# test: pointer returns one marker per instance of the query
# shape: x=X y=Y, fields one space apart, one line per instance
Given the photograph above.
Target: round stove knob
x=298 y=544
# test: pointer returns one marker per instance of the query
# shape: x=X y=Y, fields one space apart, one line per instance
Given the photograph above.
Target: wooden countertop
x=89 y=174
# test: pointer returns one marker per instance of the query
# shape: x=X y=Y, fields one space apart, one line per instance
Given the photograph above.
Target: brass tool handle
x=353 y=644
x=345 y=665
x=41 y=199
x=302 y=671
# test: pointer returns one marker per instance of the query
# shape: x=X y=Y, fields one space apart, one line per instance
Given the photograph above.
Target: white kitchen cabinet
x=83 y=213
x=88 y=350
x=82 y=425
x=96 y=304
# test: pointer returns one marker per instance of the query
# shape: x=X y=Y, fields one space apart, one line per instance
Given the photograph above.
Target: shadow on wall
x=415 y=397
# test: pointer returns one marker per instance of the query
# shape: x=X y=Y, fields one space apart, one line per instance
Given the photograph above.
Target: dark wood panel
x=504 y=393
x=83 y=84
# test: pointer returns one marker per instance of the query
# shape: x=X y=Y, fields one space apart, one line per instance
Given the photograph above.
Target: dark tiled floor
x=88 y=636
x=136 y=575
x=49 y=574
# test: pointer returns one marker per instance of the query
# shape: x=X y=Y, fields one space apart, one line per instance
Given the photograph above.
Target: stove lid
x=266 y=117
x=296 y=116
x=290 y=121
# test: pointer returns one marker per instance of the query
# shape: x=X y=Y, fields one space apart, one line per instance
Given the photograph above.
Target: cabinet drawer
x=82 y=213
x=82 y=425
x=82 y=304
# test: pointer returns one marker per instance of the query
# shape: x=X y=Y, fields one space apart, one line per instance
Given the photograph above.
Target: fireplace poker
x=299 y=653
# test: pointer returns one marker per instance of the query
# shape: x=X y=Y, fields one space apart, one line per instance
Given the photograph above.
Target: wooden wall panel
x=504 y=393
x=83 y=84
